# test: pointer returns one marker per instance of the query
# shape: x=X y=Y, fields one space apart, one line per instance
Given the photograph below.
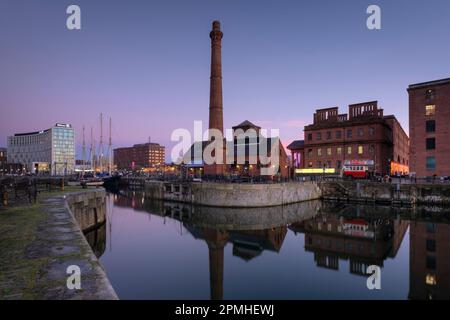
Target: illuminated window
x=339 y=150
x=319 y=152
x=430 y=279
x=329 y=151
x=349 y=150
x=430 y=110
x=360 y=149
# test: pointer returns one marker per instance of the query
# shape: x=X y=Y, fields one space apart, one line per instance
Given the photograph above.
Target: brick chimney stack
x=215 y=95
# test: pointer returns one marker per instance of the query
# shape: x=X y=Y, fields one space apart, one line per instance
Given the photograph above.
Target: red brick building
x=429 y=129
x=242 y=155
x=363 y=134
x=145 y=155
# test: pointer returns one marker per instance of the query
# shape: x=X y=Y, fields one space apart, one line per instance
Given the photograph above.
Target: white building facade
x=48 y=151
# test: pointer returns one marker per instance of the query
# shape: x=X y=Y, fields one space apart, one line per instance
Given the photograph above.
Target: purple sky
x=146 y=63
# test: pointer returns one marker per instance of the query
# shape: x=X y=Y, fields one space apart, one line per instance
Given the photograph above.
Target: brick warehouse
x=362 y=134
x=145 y=155
x=429 y=130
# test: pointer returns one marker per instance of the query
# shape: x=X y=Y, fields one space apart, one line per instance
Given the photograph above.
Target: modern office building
x=362 y=135
x=139 y=156
x=429 y=129
x=48 y=151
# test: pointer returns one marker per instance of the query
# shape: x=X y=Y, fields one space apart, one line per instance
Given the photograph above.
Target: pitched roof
x=247 y=124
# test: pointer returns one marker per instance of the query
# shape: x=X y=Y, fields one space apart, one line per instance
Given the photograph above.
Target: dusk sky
x=147 y=63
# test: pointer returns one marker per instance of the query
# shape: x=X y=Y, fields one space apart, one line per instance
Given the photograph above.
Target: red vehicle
x=357 y=169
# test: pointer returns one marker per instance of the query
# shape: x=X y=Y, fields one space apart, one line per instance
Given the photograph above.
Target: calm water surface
x=313 y=250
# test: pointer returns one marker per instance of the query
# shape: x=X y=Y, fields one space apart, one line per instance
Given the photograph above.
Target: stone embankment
x=235 y=195
x=39 y=242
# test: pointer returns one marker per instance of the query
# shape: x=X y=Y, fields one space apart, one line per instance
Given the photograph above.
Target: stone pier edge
x=107 y=292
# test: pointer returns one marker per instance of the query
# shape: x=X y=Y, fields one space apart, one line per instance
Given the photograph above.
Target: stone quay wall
x=388 y=193
x=233 y=194
x=88 y=208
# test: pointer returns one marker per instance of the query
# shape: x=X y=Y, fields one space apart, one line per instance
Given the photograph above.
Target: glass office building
x=49 y=151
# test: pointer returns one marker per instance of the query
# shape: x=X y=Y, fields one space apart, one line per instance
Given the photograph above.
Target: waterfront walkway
x=37 y=244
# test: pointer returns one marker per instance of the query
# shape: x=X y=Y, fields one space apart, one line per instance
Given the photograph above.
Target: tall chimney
x=215 y=94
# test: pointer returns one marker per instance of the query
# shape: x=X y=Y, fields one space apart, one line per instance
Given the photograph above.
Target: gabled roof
x=246 y=124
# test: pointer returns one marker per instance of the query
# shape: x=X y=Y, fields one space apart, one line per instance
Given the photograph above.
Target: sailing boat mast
x=84 y=155
x=91 y=151
x=110 y=154
x=101 y=143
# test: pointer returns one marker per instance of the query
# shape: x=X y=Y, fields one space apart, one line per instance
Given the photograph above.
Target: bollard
x=5 y=198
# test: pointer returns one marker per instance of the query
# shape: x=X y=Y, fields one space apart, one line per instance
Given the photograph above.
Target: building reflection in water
x=247 y=244
x=361 y=235
x=352 y=235
x=429 y=264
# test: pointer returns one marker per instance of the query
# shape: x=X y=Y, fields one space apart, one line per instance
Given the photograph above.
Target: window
x=309 y=136
x=371 y=131
x=319 y=136
x=310 y=152
x=360 y=149
x=431 y=125
x=328 y=135
x=328 y=151
x=349 y=150
x=430 y=279
x=431 y=245
x=319 y=152
x=338 y=134
x=339 y=151
x=430 y=110
x=372 y=149
x=431 y=143
x=349 y=133
x=431 y=262
x=429 y=94
x=360 y=132
x=431 y=163
x=431 y=227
